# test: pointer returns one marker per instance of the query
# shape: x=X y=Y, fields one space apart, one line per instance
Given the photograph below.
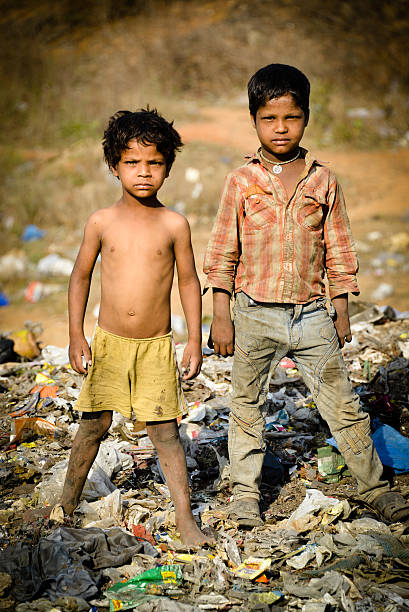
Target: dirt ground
x=375 y=185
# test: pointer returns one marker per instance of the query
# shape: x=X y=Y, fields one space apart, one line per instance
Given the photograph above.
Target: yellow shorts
x=133 y=375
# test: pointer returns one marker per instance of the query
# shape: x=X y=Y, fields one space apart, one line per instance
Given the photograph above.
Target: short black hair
x=146 y=126
x=276 y=80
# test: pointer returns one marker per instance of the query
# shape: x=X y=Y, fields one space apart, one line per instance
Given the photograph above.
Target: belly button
x=131 y=313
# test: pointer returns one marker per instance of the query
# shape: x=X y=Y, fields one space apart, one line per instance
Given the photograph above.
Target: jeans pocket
x=246 y=303
x=327 y=330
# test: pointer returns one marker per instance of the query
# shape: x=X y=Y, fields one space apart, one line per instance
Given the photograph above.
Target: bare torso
x=137 y=267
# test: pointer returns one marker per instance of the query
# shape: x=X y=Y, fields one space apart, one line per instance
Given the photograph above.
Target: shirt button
x=288 y=267
x=288 y=236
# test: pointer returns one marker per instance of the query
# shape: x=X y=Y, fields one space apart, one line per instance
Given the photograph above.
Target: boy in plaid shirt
x=281 y=229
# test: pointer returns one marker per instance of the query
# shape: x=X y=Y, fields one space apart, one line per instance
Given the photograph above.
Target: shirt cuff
x=346 y=285
x=218 y=283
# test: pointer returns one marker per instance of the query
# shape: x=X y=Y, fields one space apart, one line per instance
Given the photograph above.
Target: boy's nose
x=281 y=127
x=144 y=170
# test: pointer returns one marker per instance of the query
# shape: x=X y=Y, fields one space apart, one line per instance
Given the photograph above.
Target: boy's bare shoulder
x=101 y=217
x=175 y=222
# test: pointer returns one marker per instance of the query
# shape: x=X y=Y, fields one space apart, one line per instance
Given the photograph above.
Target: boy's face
x=141 y=170
x=280 y=125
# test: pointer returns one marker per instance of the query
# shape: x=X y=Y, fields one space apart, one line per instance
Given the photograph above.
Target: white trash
x=54 y=265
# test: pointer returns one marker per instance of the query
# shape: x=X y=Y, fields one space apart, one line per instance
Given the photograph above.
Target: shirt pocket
x=259 y=212
x=311 y=209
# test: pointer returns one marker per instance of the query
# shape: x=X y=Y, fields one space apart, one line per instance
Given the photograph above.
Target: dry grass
x=67 y=66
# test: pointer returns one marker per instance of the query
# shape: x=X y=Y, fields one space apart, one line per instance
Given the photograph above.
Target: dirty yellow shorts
x=133 y=375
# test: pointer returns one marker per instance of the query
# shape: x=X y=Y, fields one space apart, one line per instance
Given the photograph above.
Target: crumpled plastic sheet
x=166 y=605
x=333 y=584
x=67 y=561
x=108 y=461
x=391 y=446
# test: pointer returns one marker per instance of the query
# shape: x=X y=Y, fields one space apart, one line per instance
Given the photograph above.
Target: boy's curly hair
x=146 y=126
x=276 y=80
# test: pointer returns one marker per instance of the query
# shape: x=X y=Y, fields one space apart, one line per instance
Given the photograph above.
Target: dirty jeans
x=264 y=334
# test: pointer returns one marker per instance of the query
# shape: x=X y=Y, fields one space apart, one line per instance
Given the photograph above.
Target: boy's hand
x=222 y=330
x=341 y=322
x=343 y=329
x=79 y=351
x=222 y=336
x=192 y=360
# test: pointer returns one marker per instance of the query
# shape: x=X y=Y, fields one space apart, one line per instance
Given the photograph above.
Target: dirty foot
x=191 y=535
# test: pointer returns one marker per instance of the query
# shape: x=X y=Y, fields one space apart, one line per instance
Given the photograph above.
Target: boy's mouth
x=281 y=141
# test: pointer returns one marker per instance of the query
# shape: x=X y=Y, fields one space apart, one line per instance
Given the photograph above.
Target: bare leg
x=165 y=438
x=93 y=427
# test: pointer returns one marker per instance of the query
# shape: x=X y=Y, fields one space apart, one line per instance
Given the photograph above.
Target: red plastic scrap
x=46 y=390
x=140 y=532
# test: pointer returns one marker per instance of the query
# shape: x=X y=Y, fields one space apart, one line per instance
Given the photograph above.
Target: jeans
x=264 y=334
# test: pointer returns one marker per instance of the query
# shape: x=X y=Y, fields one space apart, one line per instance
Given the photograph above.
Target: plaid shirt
x=279 y=250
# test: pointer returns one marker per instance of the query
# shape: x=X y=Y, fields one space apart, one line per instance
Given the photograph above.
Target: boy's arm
x=222 y=331
x=341 y=321
x=221 y=261
x=340 y=260
x=223 y=251
x=189 y=291
x=78 y=292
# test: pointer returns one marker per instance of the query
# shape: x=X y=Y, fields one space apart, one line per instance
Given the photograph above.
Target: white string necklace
x=277 y=165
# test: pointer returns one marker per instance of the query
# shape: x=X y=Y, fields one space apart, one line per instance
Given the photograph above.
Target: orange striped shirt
x=280 y=250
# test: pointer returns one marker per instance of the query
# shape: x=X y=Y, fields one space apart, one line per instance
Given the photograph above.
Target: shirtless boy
x=132 y=366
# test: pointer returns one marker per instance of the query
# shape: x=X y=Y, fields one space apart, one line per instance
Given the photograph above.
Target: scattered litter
x=318 y=548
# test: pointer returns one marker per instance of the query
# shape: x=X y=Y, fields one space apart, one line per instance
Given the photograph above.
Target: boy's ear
x=253 y=121
x=114 y=171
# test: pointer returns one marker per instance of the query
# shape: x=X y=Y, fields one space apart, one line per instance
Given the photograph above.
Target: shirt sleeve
x=341 y=261
x=223 y=251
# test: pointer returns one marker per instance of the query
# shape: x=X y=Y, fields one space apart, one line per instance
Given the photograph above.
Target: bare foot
x=191 y=534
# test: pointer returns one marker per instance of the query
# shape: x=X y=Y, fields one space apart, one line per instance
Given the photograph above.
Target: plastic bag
x=149 y=584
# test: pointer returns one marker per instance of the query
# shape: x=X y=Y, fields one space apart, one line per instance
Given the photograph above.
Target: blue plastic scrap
x=32 y=232
x=4 y=301
x=391 y=446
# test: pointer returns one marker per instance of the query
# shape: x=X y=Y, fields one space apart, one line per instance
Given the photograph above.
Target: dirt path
x=375 y=184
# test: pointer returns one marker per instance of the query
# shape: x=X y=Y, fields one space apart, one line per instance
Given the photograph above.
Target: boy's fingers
x=194 y=368
x=78 y=367
x=190 y=374
x=87 y=355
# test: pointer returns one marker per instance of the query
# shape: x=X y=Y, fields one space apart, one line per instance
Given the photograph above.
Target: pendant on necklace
x=277 y=169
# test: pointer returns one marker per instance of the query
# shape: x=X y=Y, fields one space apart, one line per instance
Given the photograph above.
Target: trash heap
x=320 y=547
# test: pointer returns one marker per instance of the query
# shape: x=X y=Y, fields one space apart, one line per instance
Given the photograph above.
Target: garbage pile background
x=320 y=547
